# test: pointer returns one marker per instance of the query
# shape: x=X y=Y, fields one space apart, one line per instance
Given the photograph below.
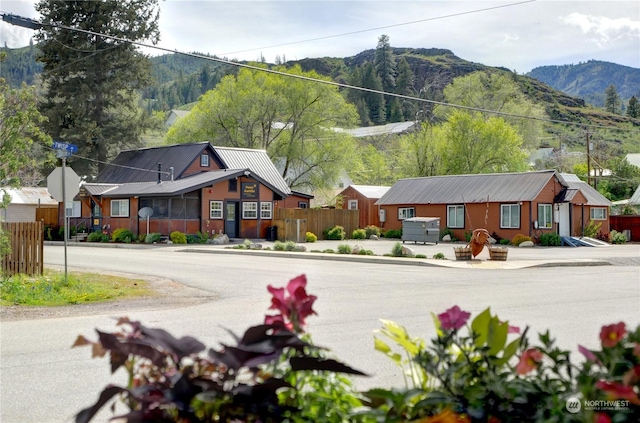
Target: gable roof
x=141 y=165
x=458 y=189
x=594 y=198
x=370 y=191
x=633 y=158
x=135 y=166
x=33 y=196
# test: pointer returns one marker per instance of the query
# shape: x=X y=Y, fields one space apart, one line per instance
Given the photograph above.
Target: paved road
x=43 y=380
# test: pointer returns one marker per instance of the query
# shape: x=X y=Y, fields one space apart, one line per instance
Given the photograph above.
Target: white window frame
x=456 y=224
x=121 y=203
x=266 y=210
x=406 y=212
x=509 y=207
x=353 y=205
x=250 y=210
x=545 y=211
x=204 y=160
x=601 y=216
x=303 y=205
x=218 y=211
x=76 y=209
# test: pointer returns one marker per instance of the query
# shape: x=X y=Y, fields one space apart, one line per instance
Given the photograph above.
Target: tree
x=633 y=108
x=293 y=119
x=612 y=100
x=91 y=80
x=420 y=152
x=473 y=144
x=384 y=64
x=374 y=170
x=497 y=92
x=622 y=183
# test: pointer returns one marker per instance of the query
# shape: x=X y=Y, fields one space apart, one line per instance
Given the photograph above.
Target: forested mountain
x=20 y=65
x=590 y=80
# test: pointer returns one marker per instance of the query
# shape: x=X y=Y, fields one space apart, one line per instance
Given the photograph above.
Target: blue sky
x=516 y=34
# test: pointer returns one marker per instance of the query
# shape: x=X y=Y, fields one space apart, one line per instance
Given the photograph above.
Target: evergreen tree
x=633 y=108
x=612 y=100
x=384 y=64
x=404 y=86
x=91 y=80
x=375 y=101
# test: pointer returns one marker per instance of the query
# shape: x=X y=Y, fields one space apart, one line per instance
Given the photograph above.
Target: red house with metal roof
x=187 y=188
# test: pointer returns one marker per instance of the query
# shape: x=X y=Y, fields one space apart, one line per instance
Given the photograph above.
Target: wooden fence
x=623 y=223
x=48 y=214
x=26 y=240
x=293 y=224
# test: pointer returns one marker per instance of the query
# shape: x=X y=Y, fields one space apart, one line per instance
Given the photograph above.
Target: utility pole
x=588 y=159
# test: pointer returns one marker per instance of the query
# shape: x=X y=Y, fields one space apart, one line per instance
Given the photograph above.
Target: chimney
x=171 y=170
x=159 y=173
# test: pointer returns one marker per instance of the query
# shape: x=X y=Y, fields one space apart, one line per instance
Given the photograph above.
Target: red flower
x=530 y=360
x=601 y=418
x=636 y=350
x=616 y=391
x=611 y=335
x=632 y=377
x=446 y=416
x=294 y=307
x=454 y=318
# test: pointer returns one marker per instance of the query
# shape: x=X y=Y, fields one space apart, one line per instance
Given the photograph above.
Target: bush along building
x=188 y=188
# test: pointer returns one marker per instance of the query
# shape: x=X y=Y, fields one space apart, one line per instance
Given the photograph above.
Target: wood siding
x=367 y=210
x=318 y=220
x=26 y=240
x=627 y=223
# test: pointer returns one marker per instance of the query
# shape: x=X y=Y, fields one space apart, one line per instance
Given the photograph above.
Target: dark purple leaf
x=109 y=392
x=316 y=363
x=182 y=347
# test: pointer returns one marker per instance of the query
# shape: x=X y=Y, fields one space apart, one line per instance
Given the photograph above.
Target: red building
x=363 y=198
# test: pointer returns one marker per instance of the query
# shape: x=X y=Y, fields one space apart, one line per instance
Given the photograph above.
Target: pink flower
x=294 y=304
x=454 y=318
x=601 y=418
x=617 y=391
x=513 y=329
x=530 y=360
x=636 y=350
x=611 y=335
x=588 y=354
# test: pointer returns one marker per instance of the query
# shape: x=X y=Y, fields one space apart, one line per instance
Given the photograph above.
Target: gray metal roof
x=97 y=189
x=258 y=162
x=372 y=131
x=594 y=198
x=370 y=191
x=142 y=165
x=635 y=198
x=29 y=195
x=170 y=188
x=458 y=189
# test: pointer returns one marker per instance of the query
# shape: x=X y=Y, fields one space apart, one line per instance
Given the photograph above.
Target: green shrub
x=152 y=238
x=328 y=251
x=178 y=237
x=123 y=235
x=420 y=256
x=359 y=234
x=396 y=250
x=202 y=237
x=290 y=246
x=311 y=237
x=504 y=241
x=616 y=237
x=393 y=234
x=550 y=239
x=278 y=246
x=519 y=239
x=372 y=230
x=438 y=256
x=364 y=252
x=97 y=237
x=592 y=228
x=336 y=233
x=344 y=249
x=446 y=231
x=467 y=236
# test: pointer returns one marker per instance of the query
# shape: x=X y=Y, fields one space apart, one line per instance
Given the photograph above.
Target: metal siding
x=21 y=213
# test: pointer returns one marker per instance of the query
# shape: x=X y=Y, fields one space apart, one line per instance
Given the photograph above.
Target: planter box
x=462 y=253
x=498 y=253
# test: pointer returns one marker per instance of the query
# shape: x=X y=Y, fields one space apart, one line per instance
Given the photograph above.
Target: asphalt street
x=570 y=291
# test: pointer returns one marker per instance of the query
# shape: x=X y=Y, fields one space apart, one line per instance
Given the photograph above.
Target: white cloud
x=603 y=30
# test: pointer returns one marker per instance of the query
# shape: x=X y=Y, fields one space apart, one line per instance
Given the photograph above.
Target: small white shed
x=24 y=203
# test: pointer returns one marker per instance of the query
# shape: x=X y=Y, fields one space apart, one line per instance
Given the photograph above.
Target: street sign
x=69 y=148
x=71 y=184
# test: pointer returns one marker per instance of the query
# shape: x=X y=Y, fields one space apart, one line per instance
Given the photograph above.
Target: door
x=564 y=222
x=232 y=219
x=96 y=217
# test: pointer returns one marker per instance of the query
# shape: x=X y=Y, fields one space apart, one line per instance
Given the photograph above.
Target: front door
x=564 y=222
x=232 y=218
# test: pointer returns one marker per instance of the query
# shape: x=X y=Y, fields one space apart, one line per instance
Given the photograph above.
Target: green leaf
x=480 y=327
x=400 y=336
x=509 y=352
x=437 y=324
x=497 y=336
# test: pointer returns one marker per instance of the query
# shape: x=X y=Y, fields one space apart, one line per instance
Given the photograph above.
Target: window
x=598 y=213
x=215 y=209
x=265 y=210
x=406 y=213
x=160 y=206
x=233 y=185
x=302 y=204
x=455 y=216
x=509 y=215
x=250 y=210
x=120 y=208
x=204 y=160
x=545 y=216
x=353 y=204
x=76 y=210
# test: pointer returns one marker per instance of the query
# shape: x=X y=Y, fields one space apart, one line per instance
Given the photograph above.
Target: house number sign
x=249 y=190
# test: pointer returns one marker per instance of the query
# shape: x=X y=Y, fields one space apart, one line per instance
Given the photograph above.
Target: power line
x=30 y=23
x=326 y=37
